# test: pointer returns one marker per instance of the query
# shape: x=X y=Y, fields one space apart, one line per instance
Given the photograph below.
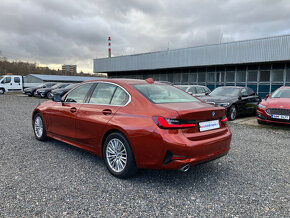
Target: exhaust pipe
x=185 y=168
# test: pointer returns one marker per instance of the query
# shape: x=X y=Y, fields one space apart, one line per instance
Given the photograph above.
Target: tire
x=49 y=95
x=34 y=93
x=118 y=156
x=42 y=95
x=232 y=113
x=261 y=122
x=39 y=128
x=2 y=91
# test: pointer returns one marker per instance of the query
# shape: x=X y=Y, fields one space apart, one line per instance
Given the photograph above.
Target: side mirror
x=267 y=96
x=207 y=93
x=240 y=97
x=57 y=98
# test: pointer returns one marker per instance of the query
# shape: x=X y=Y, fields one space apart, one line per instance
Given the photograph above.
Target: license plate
x=208 y=125
x=282 y=117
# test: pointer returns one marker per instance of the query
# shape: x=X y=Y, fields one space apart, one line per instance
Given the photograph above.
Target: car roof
x=284 y=87
x=124 y=81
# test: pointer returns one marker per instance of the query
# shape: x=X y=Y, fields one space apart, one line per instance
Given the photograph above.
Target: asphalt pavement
x=40 y=179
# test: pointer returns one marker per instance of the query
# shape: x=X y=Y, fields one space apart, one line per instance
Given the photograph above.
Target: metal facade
x=251 y=51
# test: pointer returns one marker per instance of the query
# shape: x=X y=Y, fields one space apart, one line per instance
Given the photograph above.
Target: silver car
x=195 y=90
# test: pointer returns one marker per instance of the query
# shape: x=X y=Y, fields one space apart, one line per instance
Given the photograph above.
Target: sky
x=55 y=32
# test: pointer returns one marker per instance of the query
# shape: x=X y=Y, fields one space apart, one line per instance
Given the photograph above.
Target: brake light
x=224 y=119
x=168 y=123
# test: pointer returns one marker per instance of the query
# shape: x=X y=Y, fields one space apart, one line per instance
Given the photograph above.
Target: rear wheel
x=39 y=128
x=2 y=91
x=49 y=95
x=118 y=156
x=232 y=112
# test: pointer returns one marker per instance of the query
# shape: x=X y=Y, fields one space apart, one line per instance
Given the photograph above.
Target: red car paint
x=281 y=106
x=86 y=126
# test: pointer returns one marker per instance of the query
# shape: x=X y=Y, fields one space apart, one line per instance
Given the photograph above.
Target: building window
x=230 y=76
x=177 y=77
x=220 y=77
x=201 y=76
x=163 y=77
x=252 y=75
x=192 y=77
x=278 y=75
x=211 y=77
x=288 y=75
x=265 y=76
x=241 y=76
x=184 y=77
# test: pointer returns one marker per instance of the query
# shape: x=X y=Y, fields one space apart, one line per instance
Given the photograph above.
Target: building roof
x=60 y=78
x=249 y=51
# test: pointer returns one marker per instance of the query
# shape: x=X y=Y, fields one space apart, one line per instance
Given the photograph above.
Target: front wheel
x=118 y=156
x=39 y=128
x=2 y=91
x=232 y=112
x=261 y=122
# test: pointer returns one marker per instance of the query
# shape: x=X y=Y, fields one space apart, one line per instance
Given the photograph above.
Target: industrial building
x=262 y=64
x=41 y=78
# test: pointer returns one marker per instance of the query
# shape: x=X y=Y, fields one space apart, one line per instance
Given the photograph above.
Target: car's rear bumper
x=192 y=152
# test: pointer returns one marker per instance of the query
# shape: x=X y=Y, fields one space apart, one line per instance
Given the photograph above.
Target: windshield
x=225 y=91
x=159 y=94
x=182 y=87
x=281 y=93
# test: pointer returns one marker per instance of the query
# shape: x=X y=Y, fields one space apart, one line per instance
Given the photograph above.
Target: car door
x=93 y=117
x=16 y=83
x=7 y=83
x=254 y=100
x=246 y=104
x=61 y=117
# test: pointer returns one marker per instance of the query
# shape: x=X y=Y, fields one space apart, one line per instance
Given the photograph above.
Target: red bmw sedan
x=275 y=108
x=135 y=124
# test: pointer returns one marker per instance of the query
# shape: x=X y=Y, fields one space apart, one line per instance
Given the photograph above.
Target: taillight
x=224 y=119
x=167 y=123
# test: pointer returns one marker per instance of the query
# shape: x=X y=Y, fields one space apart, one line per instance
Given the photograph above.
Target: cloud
x=75 y=32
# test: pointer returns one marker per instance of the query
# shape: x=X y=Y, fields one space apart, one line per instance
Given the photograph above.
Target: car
x=61 y=91
x=165 y=82
x=275 y=108
x=135 y=124
x=44 y=92
x=31 y=91
x=237 y=100
x=195 y=90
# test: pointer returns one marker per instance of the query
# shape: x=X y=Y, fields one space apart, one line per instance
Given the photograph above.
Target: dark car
x=135 y=124
x=195 y=90
x=43 y=92
x=275 y=108
x=237 y=100
x=31 y=91
x=61 y=91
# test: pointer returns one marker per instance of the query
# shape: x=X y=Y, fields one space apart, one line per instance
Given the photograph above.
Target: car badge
x=213 y=113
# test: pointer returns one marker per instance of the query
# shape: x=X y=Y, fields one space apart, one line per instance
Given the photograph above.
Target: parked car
x=195 y=90
x=61 y=91
x=165 y=82
x=43 y=92
x=32 y=90
x=275 y=108
x=237 y=100
x=135 y=124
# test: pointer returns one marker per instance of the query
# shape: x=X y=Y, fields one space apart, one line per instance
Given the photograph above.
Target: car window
x=103 y=93
x=120 y=97
x=250 y=92
x=192 y=90
x=49 y=85
x=7 y=80
x=159 y=94
x=17 y=79
x=244 y=92
x=207 y=89
x=199 y=90
x=79 y=93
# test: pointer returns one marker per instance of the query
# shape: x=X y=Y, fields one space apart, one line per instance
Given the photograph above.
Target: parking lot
x=55 y=179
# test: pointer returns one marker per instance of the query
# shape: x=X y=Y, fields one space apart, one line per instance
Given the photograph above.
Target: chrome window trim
x=129 y=99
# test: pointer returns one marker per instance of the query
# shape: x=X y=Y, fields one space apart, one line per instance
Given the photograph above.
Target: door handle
x=107 y=111
x=73 y=110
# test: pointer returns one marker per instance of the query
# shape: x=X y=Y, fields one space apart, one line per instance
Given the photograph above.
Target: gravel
x=55 y=179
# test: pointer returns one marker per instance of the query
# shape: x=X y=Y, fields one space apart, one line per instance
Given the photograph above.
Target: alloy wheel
x=116 y=155
x=38 y=127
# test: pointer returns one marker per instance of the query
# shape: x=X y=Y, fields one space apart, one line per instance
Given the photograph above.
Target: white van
x=11 y=83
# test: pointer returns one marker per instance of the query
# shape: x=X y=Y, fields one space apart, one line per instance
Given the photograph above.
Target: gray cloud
x=56 y=32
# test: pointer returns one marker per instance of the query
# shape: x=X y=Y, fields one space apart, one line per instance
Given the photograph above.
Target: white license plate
x=282 y=117
x=208 y=125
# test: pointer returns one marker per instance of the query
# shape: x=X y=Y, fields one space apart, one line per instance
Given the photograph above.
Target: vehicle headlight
x=261 y=106
x=225 y=104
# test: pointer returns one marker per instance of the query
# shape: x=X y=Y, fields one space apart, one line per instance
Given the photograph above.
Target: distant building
x=261 y=64
x=69 y=68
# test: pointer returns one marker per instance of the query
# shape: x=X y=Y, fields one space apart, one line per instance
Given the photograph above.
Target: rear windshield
x=159 y=94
